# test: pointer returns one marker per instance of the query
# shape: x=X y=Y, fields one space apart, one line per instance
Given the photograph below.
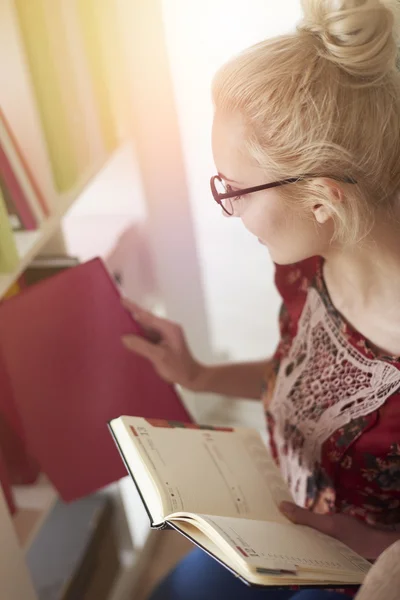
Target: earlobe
x=330 y=188
x=321 y=213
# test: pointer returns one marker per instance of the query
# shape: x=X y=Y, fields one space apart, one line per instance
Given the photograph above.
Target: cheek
x=266 y=220
x=288 y=236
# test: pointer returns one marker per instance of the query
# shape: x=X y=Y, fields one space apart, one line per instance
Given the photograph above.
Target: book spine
x=93 y=144
x=38 y=194
x=61 y=43
x=100 y=43
x=13 y=215
x=47 y=82
x=9 y=257
x=12 y=153
x=24 y=210
x=18 y=103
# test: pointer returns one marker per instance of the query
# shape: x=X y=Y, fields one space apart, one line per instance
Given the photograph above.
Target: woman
x=306 y=140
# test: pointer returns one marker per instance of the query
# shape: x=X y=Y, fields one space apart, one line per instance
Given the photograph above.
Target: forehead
x=228 y=145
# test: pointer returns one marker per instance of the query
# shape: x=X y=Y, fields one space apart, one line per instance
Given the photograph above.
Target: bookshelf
x=30 y=243
x=14 y=576
x=157 y=142
x=33 y=502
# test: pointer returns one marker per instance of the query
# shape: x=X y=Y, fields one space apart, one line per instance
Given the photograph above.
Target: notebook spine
x=152 y=524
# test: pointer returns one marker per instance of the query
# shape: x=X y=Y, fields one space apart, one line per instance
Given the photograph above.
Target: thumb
x=303 y=516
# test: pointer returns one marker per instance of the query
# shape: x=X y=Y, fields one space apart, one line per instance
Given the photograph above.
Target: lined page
x=266 y=545
x=211 y=471
x=237 y=562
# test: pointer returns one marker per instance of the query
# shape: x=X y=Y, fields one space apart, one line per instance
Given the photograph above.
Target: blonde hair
x=325 y=100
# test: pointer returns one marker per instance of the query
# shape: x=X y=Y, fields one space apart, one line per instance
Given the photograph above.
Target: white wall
x=237 y=272
x=201 y=35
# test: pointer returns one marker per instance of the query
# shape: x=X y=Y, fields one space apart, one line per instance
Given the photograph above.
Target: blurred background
x=109 y=104
x=234 y=316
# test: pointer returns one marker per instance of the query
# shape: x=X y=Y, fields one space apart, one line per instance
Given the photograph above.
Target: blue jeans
x=200 y=577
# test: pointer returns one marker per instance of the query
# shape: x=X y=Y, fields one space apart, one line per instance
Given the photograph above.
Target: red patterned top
x=333 y=406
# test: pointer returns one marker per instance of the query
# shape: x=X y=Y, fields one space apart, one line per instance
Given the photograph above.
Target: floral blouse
x=332 y=406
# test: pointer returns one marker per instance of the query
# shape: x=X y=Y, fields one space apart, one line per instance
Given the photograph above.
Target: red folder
x=21 y=467
x=70 y=375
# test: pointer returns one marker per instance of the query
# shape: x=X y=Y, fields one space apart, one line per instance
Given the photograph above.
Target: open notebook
x=220 y=488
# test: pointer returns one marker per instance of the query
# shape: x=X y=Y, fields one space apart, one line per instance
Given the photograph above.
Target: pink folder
x=70 y=375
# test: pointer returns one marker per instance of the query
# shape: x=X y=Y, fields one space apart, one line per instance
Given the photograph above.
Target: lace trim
x=322 y=385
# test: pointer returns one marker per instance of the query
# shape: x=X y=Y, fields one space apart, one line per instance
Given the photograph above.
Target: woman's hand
x=364 y=539
x=165 y=346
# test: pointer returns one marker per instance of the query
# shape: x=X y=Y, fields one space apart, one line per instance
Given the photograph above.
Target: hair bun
x=358 y=35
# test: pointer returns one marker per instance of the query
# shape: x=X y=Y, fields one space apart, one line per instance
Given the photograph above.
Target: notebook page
x=211 y=471
x=191 y=529
x=294 y=547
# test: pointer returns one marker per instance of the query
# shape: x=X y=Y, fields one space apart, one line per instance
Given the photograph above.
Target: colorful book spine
x=102 y=43
x=9 y=257
x=91 y=143
x=12 y=211
x=47 y=82
x=62 y=42
x=19 y=105
x=32 y=181
x=13 y=185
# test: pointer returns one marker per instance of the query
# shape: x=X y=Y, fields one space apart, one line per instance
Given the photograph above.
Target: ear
x=332 y=191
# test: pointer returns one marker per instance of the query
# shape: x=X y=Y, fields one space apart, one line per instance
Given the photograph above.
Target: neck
x=367 y=276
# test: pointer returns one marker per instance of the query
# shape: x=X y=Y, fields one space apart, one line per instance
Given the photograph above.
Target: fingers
x=148 y=320
x=303 y=516
x=152 y=335
x=131 y=306
x=142 y=347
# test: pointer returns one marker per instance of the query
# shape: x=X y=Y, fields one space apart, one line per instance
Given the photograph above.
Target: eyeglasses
x=224 y=194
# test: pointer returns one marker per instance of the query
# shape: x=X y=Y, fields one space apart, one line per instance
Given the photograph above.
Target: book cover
x=70 y=375
x=21 y=468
